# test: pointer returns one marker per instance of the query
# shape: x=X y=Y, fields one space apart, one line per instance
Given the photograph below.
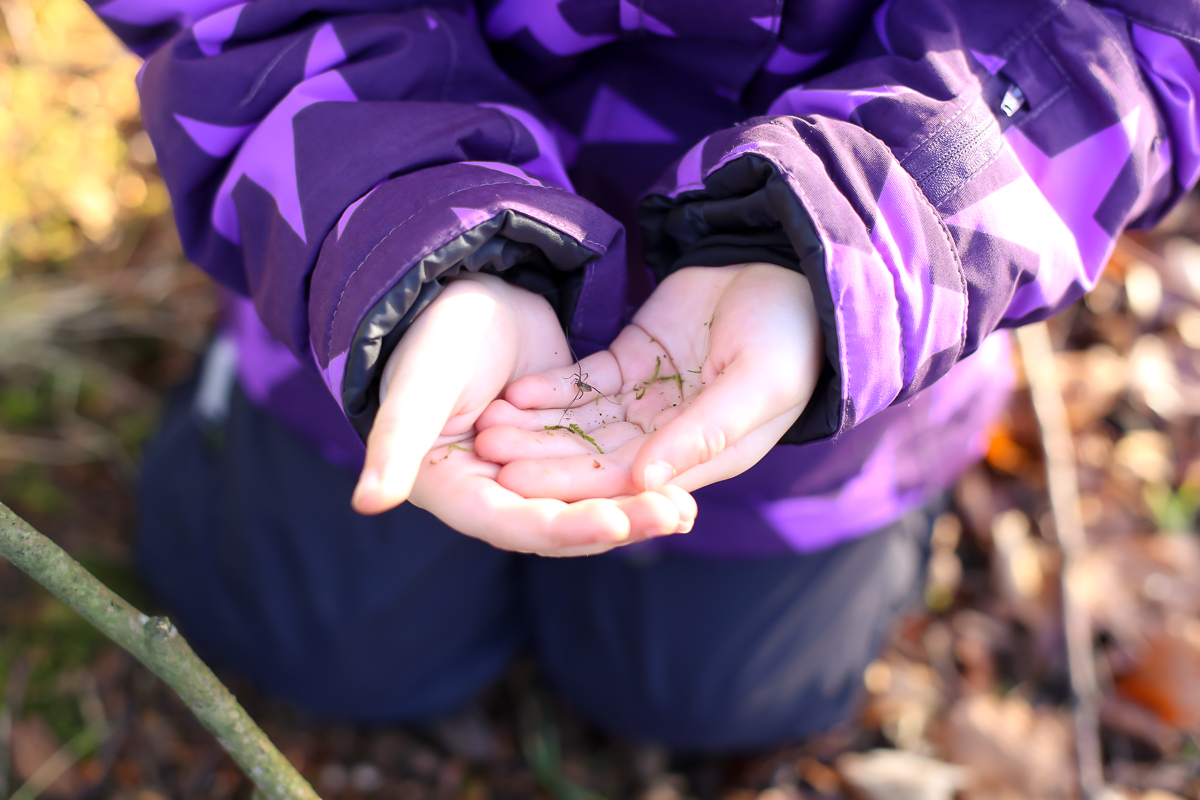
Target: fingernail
x=685 y=527
x=657 y=475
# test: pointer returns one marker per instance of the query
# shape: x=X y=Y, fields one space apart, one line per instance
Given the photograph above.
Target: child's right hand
x=459 y=355
x=712 y=371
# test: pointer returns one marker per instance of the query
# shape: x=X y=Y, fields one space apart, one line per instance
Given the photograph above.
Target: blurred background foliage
x=99 y=315
x=93 y=289
x=74 y=164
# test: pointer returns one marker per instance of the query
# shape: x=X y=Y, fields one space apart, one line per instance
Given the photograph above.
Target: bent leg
x=252 y=545
x=723 y=655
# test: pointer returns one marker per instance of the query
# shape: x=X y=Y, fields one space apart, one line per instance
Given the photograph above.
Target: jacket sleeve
x=969 y=167
x=337 y=160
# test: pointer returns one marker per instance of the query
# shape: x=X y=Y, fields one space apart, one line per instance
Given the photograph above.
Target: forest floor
x=100 y=315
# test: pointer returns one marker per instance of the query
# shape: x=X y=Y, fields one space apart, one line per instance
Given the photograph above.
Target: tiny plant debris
x=655 y=378
x=578 y=431
x=450 y=449
x=595 y=464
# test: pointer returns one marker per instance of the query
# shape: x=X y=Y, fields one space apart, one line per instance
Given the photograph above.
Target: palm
x=713 y=370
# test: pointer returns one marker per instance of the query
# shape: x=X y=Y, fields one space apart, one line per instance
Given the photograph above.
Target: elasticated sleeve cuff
x=393 y=251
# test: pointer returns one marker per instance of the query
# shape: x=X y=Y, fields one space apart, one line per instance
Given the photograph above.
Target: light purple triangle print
x=612 y=118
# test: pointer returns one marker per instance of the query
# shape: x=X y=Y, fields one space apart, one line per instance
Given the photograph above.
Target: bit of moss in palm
x=574 y=428
x=578 y=430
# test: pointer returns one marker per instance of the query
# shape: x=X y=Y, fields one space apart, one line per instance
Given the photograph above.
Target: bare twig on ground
x=155 y=642
x=1063 y=485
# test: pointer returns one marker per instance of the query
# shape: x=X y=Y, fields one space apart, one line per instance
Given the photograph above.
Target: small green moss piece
x=578 y=430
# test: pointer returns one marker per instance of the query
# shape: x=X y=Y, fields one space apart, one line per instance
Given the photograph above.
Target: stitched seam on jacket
x=1134 y=68
x=346 y=285
x=1006 y=52
x=1154 y=26
x=957 y=263
x=967 y=180
x=964 y=100
x=941 y=126
x=954 y=254
x=1047 y=103
x=962 y=275
x=797 y=187
x=266 y=73
x=945 y=159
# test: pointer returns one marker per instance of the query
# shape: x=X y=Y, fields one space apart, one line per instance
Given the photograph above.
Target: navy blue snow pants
x=249 y=540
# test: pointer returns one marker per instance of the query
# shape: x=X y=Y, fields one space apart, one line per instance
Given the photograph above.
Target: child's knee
x=707 y=655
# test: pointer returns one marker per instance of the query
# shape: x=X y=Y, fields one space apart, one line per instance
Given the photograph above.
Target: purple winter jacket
x=938 y=169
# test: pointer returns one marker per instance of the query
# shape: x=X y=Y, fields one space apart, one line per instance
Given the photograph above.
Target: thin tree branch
x=1062 y=481
x=156 y=643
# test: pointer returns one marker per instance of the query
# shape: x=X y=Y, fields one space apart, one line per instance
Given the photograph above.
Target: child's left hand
x=715 y=368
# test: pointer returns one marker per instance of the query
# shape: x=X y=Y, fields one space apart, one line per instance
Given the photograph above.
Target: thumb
x=735 y=405
x=421 y=389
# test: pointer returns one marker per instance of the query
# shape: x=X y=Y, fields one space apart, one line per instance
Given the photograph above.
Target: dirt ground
x=100 y=315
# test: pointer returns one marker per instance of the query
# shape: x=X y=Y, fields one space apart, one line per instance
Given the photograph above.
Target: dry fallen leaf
x=899 y=775
x=1135 y=584
x=904 y=697
x=1093 y=380
x=1147 y=454
x=1166 y=677
x=1010 y=748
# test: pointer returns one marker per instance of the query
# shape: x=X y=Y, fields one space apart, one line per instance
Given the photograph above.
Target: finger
x=480 y=507
x=605 y=427
x=559 y=388
x=588 y=417
x=739 y=456
x=686 y=505
x=422 y=393
x=405 y=429
x=569 y=478
x=736 y=402
x=651 y=514
x=505 y=443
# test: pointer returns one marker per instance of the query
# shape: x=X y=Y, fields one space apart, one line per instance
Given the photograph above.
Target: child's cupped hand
x=713 y=370
x=479 y=335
